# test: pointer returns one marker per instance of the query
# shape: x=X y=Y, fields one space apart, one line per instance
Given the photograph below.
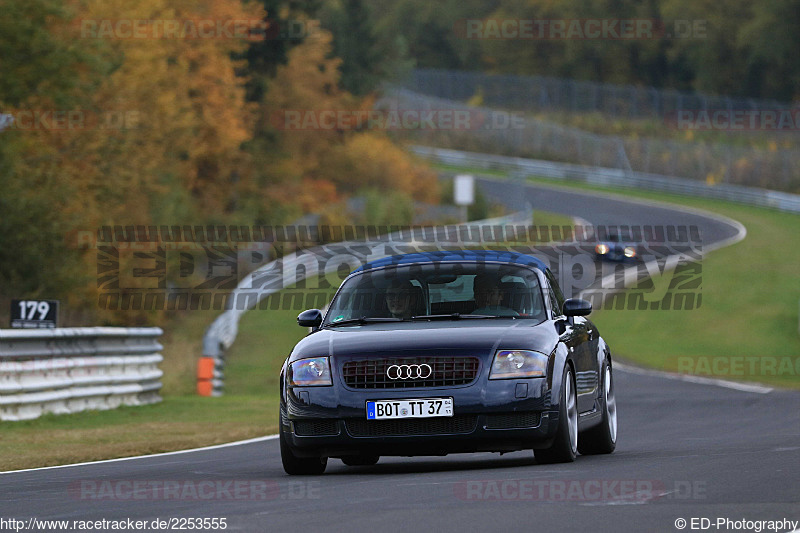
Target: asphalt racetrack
x=685 y=451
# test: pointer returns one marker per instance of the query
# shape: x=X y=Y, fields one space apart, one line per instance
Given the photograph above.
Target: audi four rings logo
x=409 y=371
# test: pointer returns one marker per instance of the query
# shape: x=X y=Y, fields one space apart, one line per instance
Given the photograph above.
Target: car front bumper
x=489 y=415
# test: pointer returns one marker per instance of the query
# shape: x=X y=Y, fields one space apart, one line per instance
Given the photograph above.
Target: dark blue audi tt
x=447 y=352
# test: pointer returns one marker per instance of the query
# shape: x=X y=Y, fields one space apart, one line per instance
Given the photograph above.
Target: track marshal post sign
x=34 y=314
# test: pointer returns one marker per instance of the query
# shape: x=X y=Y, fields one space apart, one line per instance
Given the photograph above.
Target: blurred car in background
x=616 y=244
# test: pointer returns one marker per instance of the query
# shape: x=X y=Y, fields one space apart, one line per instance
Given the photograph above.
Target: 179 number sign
x=34 y=313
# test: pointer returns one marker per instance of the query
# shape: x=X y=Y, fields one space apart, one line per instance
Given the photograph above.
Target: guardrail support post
x=210 y=368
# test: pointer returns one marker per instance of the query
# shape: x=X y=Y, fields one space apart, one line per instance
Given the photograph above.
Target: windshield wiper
x=363 y=320
x=451 y=316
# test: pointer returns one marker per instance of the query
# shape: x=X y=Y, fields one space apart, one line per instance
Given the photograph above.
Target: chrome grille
x=446 y=372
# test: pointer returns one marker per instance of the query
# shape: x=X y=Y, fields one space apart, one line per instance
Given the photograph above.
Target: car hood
x=462 y=337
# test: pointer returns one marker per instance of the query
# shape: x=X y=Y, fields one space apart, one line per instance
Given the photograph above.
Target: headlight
x=601 y=249
x=312 y=372
x=630 y=251
x=518 y=364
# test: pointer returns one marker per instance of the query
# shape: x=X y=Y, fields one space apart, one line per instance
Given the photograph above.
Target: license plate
x=421 y=408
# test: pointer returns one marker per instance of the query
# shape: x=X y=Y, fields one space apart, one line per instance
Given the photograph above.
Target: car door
x=576 y=335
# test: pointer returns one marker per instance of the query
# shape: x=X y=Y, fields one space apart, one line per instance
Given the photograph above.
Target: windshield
x=440 y=291
x=619 y=237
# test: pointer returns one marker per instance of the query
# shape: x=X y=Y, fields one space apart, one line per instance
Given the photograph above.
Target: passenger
x=488 y=296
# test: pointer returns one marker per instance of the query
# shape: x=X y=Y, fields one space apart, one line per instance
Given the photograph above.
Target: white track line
x=164 y=454
x=744 y=387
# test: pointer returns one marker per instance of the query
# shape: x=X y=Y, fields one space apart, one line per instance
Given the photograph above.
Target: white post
x=6 y=121
x=464 y=193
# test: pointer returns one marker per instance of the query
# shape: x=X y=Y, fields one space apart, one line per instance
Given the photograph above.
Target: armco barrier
x=520 y=167
x=66 y=370
x=483 y=129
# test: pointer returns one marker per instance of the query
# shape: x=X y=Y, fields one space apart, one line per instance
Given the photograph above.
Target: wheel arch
x=561 y=360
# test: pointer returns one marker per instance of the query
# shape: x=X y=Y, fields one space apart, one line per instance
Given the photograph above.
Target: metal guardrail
x=67 y=370
x=296 y=267
x=548 y=93
x=521 y=167
x=493 y=129
x=500 y=132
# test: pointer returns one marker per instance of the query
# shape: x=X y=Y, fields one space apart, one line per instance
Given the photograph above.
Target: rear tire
x=565 y=446
x=299 y=466
x=361 y=460
x=603 y=438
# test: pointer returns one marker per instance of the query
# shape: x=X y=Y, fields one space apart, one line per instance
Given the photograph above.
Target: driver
x=400 y=299
x=488 y=296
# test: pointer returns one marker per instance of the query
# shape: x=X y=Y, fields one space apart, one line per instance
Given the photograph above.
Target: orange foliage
x=162 y=135
x=349 y=159
x=186 y=97
x=367 y=160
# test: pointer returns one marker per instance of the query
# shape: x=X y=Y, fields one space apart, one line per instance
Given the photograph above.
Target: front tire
x=603 y=438
x=299 y=466
x=565 y=446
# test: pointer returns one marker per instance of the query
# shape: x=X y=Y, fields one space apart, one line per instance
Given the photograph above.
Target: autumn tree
x=42 y=69
x=289 y=23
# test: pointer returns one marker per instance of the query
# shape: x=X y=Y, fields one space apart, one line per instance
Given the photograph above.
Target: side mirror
x=577 y=307
x=310 y=319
